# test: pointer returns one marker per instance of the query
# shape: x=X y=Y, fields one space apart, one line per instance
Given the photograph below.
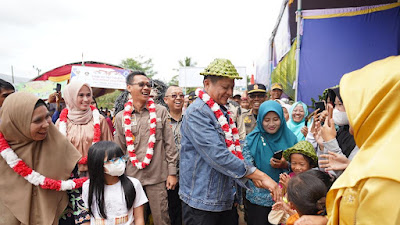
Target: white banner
x=100 y=77
x=190 y=77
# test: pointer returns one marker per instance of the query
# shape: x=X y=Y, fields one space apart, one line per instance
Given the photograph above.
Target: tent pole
x=298 y=20
x=271 y=42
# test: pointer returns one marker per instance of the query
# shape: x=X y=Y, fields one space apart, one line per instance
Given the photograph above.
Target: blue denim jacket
x=207 y=168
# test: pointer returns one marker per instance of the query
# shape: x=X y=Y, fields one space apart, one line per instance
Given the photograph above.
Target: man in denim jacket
x=208 y=170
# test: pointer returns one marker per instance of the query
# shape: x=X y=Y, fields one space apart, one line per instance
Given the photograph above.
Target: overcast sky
x=48 y=34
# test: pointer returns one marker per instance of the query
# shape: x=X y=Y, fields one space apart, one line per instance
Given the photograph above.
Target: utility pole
x=37 y=69
x=12 y=74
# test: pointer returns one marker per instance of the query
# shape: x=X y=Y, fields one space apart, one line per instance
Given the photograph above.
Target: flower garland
x=231 y=132
x=32 y=176
x=130 y=138
x=96 y=125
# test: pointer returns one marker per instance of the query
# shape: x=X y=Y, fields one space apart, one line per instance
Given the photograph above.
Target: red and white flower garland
x=130 y=138
x=96 y=127
x=231 y=132
x=32 y=176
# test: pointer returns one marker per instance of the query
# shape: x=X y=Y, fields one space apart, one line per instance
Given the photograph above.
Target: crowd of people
x=206 y=156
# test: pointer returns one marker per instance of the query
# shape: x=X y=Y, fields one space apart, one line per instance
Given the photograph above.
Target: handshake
x=262 y=180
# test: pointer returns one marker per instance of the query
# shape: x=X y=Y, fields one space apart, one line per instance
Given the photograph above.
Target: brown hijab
x=70 y=93
x=54 y=157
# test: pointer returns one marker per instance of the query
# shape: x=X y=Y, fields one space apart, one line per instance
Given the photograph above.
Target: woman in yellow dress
x=368 y=190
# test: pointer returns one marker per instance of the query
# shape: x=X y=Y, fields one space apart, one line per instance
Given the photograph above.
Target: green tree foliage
x=139 y=63
x=108 y=100
x=187 y=62
x=174 y=80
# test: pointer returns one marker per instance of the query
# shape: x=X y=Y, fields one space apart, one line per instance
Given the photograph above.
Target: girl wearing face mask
x=109 y=195
x=336 y=134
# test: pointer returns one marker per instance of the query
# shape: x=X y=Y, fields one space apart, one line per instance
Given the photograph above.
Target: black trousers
x=192 y=216
x=175 y=206
x=257 y=214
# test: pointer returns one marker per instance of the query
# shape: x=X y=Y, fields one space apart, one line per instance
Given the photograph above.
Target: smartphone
x=278 y=154
x=58 y=87
x=320 y=106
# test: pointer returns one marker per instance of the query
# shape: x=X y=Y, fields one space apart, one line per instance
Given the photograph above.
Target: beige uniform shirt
x=165 y=154
x=250 y=121
x=237 y=118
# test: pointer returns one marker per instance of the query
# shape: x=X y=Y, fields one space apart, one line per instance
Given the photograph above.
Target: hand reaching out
x=318 y=136
x=271 y=185
x=328 y=131
x=284 y=180
x=333 y=161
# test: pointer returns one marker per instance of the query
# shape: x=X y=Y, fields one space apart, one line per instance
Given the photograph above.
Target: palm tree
x=187 y=62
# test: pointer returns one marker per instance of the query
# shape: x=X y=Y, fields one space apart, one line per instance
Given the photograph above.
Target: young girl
x=109 y=195
x=302 y=157
x=306 y=194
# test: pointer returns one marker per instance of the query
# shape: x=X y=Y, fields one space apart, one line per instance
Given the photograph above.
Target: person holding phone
x=270 y=136
x=55 y=98
x=367 y=190
x=333 y=136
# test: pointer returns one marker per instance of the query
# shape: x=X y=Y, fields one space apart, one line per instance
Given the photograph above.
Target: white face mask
x=340 y=118
x=116 y=168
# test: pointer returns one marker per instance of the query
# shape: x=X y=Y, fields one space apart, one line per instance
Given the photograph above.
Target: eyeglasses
x=175 y=96
x=253 y=96
x=123 y=159
x=142 y=84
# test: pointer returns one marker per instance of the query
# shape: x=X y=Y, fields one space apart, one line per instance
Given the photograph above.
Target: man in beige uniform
x=257 y=95
x=160 y=175
x=174 y=98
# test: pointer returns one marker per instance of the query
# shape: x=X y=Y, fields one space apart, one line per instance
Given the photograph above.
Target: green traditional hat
x=304 y=148
x=221 y=67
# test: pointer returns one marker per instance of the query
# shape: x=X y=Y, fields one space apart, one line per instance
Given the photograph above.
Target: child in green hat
x=302 y=157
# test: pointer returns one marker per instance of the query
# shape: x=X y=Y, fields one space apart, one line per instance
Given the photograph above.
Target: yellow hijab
x=371 y=97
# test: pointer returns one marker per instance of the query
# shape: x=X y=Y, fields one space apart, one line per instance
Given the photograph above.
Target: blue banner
x=332 y=47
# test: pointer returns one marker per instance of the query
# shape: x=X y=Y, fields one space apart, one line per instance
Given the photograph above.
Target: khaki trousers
x=158 y=201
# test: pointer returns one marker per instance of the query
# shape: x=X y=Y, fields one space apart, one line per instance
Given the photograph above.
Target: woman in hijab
x=345 y=140
x=81 y=120
x=269 y=136
x=364 y=193
x=27 y=128
x=297 y=117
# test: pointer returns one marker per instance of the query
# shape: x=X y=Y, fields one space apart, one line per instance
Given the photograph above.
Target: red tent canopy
x=64 y=72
